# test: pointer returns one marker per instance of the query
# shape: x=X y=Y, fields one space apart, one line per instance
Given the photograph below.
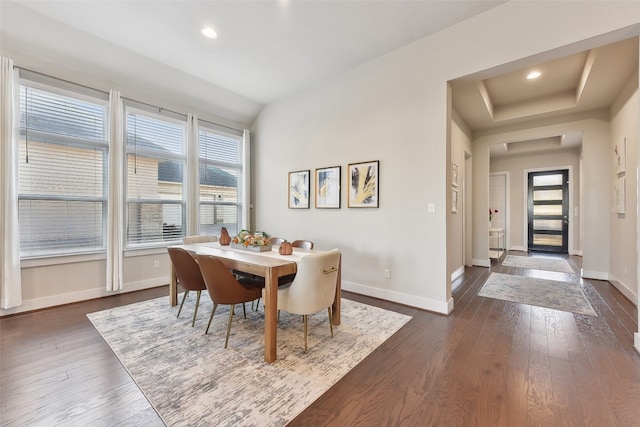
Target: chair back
x=187 y=270
x=303 y=244
x=314 y=287
x=276 y=240
x=188 y=240
x=223 y=287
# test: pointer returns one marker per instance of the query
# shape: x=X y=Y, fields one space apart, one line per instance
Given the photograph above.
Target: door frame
x=507 y=204
x=525 y=210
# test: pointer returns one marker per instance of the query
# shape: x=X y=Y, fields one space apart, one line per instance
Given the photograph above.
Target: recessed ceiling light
x=533 y=75
x=209 y=32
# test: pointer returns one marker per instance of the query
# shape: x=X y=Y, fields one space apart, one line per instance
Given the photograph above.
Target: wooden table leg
x=173 y=287
x=270 y=316
x=335 y=308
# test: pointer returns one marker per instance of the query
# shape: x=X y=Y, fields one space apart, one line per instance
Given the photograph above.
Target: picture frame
x=299 y=185
x=454 y=174
x=620 y=156
x=327 y=187
x=454 y=200
x=363 y=178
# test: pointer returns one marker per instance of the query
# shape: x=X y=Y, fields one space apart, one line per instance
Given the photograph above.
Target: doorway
x=548 y=211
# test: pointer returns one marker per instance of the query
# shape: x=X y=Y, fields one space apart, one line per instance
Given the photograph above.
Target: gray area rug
x=192 y=380
x=538 y=263
x=565 y=296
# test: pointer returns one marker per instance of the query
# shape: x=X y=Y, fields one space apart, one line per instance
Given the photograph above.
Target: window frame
x=162 y=115
x=239 y=166
x=30 y=80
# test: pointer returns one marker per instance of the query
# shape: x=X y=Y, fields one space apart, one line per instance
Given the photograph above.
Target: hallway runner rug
x=191 y=379
x=565 y=296
x=538 y=263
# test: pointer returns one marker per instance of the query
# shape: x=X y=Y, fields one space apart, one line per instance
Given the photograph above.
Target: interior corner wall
x=394 y=109
x=460 y=144
x=596 y=165
x=623 y=270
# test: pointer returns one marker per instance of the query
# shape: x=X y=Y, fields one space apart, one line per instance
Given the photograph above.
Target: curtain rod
x=62 y=80
x=128 y=99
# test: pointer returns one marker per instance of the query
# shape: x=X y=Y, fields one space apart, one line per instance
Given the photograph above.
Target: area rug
x=538 y=263
x=565 y=296
x=191 y=379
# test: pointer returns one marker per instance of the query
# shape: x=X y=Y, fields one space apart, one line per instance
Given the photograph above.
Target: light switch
x=432 y=208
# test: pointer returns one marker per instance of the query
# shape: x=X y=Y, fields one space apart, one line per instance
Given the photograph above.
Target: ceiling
x=265 y=49
x=585 y=81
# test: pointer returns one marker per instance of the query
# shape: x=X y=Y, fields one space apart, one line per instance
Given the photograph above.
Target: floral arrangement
x=246 y=238
x=491 y=212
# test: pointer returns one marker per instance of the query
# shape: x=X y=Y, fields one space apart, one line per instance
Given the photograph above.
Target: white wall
x=394 y=109
x=456 y=226
x=516 y=166
x=594 y=126
x=623 y=270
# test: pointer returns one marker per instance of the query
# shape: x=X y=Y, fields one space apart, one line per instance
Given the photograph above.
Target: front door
x=548 y=211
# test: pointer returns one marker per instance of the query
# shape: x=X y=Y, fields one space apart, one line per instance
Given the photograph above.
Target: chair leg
x=211 y=317
x=304 y=320
x=330 y=320
x=244 y=310
x=195 y=312
x=257 y=302
x=226 y=341
x=184 y=296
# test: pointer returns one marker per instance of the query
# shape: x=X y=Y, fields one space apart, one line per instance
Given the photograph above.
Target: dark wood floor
x=490 y=363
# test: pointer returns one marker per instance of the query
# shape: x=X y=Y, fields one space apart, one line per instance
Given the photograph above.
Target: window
x=155 y=159
x=62 y=171
x=220 y=172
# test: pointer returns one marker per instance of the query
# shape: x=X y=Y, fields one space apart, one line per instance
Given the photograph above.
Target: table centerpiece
x=257 y=242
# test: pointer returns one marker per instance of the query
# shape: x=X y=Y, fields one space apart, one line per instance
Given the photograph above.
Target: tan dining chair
x=303 y=244
x=189 y=276
x=313 y=289
x=225 y=289
x=188 y=240
x=276 y=240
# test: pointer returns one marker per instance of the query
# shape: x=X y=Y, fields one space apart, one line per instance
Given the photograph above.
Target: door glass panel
x=547 y=210
x=547 y=224
x=539 y=180
x=547 y=195
x=547 y=239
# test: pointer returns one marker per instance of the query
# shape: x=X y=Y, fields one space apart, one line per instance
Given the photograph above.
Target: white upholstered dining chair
x=188 y=240
x=313 y=289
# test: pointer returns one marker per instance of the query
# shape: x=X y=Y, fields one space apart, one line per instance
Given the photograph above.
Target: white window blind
x=62 y=172
x=220 y=174
x=155 y=189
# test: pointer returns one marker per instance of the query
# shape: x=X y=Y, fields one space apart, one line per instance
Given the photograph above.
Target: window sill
x=62 y=259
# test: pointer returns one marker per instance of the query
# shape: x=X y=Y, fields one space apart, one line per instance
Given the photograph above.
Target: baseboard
x=518 y=248
x=636 y=342
x=481 y=262
x=597 y=275
x=429 y=304
x=624 y=290
x=459 y=272
x=84 y=295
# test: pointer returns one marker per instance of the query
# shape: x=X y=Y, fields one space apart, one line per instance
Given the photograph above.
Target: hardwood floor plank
x=489 y=363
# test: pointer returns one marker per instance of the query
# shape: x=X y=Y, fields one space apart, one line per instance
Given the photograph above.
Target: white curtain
x=10 y=280
x=115 y=224
x=246 y=180
x=193 y=178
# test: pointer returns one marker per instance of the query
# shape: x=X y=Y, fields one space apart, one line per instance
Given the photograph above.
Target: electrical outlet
x=156 y=263
x=387 y=273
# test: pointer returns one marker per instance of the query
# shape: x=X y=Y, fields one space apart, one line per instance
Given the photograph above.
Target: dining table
x=269 y=264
